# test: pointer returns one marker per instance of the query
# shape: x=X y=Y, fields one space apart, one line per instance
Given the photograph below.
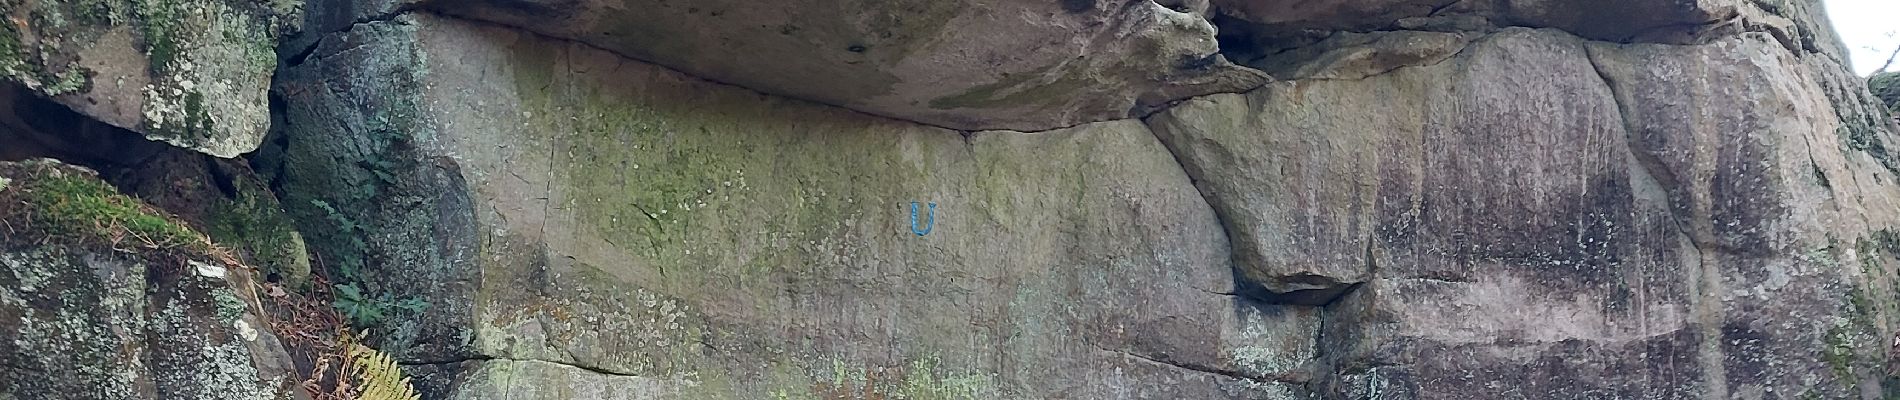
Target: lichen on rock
x=551 y=199
x=99 y=301
x=190 y=73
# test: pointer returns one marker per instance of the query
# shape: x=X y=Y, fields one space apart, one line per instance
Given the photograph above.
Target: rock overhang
x=1033 y=66
x=966 y=65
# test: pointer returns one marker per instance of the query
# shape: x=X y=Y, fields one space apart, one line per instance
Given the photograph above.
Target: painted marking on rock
x=929 y=221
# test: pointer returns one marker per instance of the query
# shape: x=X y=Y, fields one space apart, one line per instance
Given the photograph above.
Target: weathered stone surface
x=1771 y=179
x=1643 y=199
x=1541 y=216
x=964 y=64
x=190 y=73
x=221 y=197
x=83 y=320
x=496 y=379
x=1257 y=31
x=1886 y=86
x=557 y=204
x=1607 y=20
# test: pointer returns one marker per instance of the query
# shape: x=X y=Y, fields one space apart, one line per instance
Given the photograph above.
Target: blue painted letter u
x=929 y=221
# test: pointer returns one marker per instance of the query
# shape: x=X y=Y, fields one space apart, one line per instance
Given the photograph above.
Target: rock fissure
x=1482 y=35
x=1244 y=289
x=479 y=359
x=1442 y=7
x=1707 y=307
x=1228 y=373
x=303 y=53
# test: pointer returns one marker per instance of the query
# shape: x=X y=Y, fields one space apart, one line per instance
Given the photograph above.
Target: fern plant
x=377 y=376
x=366 y=311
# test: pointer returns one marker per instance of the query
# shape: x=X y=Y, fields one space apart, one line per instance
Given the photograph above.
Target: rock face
x=1502 y=207
x=1627 y=199
x=80 y=318
x=191 y=73
x=632 y=226
x=1546 y=215
x=963 y=64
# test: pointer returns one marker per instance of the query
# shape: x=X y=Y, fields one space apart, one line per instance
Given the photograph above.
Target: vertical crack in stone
x=1708 y=311
x=1243 y=287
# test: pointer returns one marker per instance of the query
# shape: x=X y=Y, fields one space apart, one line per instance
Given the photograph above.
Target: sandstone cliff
x=823 y=199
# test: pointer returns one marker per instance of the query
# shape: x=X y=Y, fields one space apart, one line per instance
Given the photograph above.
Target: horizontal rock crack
x=478 y=359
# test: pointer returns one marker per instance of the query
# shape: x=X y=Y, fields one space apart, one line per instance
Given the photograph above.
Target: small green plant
x=343 y=222
x=66 y=82
x=364 y=310
x=360 y=309
x=349 y=261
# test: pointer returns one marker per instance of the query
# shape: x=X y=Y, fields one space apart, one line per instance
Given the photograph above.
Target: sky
x=1871 y=29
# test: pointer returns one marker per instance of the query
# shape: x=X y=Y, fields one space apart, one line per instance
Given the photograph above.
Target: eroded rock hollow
x=968 y=199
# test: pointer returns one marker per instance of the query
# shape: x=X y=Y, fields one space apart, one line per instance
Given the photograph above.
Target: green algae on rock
x=673 y=236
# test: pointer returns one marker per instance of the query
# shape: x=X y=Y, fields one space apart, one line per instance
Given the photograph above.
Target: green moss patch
x=69 y=204
x=255 y=224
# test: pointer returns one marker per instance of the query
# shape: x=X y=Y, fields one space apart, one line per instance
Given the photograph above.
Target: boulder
x=190 y=73
x=105 y=299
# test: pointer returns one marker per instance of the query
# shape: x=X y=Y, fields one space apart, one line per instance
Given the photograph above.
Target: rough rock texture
x=1886 y=86
x=220 y=197
x=80 y=319
x=1436 y=199
x=1536 y=215
x=1259 y=29
x=1632 y=199
x=557 y=204
x=963 y=64
x=190 y=73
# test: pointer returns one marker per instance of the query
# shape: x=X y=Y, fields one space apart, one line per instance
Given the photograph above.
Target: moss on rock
x=100 y=299
x=191 y=73
x=256 y=224
x=69 y=203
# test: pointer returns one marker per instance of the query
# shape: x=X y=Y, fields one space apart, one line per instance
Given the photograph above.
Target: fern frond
x=377 y=376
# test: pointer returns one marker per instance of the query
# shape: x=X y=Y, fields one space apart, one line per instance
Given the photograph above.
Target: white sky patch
x=1871 y=29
